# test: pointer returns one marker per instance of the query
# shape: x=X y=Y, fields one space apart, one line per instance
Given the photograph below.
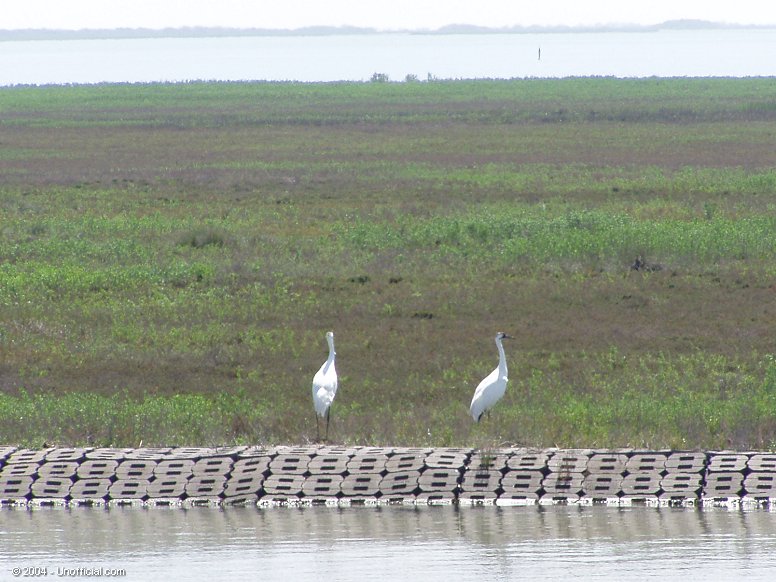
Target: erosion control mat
x=382 y=475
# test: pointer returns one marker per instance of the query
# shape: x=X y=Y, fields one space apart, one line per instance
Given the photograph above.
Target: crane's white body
x=325 y=384
x=493 y=387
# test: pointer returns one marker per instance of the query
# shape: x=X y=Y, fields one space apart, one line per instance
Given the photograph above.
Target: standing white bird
x=492 y=388
x=325 y=387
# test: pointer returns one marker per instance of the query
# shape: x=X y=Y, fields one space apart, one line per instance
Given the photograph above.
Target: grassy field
x=172 y=255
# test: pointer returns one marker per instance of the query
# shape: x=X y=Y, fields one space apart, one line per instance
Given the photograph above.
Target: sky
x=380 y=14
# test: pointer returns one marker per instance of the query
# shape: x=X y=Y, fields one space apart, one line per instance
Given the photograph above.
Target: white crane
x=492 y=388
x=325 y=387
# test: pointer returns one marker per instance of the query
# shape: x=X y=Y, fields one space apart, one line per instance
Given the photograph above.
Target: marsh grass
x=202 y=238
x=171 y=256
x=647 y=401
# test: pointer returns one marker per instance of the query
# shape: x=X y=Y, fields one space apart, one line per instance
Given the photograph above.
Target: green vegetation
x=172 y=255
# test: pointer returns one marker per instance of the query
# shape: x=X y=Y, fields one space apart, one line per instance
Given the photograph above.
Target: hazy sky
x=381 y=14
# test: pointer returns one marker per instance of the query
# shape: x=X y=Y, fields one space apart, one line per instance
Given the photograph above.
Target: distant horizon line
x=325 y=30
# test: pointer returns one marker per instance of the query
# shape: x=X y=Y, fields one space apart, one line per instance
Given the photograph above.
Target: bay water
x=661 y=53
x=392 y=543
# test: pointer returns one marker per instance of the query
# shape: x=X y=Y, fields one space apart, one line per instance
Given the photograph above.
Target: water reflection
x=395 y=543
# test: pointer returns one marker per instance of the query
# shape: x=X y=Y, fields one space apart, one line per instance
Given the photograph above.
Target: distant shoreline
x=200 y=32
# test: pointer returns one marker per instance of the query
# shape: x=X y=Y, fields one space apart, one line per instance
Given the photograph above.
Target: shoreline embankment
x=321 y=474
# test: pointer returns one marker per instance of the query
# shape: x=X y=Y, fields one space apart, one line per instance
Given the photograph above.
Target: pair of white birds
x=488 y=392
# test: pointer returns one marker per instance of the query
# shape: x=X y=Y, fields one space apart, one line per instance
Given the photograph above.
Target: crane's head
x=501 y=335
x=330 y=340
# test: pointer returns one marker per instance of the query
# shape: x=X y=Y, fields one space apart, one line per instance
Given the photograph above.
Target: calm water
x=735 y=53
x=396 y=543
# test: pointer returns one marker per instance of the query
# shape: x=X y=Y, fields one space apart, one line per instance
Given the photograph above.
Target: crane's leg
x=317 y=429
x=328 y=413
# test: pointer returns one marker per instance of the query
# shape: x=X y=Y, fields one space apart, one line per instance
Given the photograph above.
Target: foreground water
x=665 y=53
x=391 y=543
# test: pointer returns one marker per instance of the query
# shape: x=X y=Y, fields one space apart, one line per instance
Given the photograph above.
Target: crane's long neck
x=502 y=359
x=332 y=353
